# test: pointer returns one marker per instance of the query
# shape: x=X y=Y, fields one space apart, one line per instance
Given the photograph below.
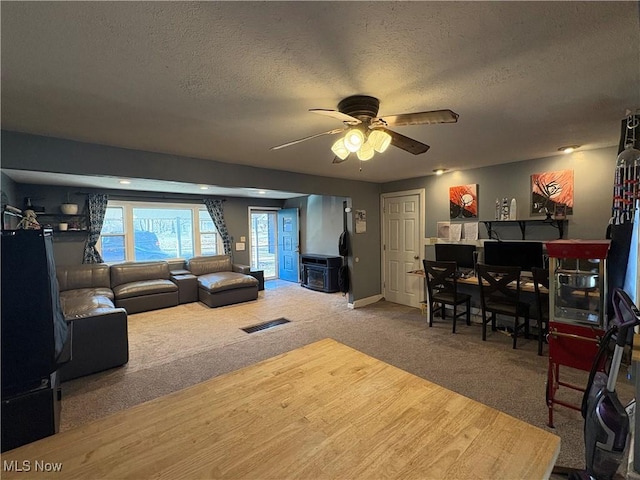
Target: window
x=154 y=231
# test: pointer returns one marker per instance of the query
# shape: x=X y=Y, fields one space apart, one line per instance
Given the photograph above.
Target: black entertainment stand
x=320 y=272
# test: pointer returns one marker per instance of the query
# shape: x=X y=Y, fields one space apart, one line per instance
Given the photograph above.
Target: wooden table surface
x=526 y=284
x=321 y=411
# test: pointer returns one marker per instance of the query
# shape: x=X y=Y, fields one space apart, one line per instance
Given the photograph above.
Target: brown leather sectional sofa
x=97 y=328
x=221 y=282
x=142 y=286
x=96 y=299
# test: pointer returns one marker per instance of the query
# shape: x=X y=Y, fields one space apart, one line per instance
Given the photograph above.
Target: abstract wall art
x=551 y=189
x=463 y=201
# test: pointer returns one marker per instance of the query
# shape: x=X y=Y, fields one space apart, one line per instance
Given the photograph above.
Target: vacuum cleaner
x=606 y=426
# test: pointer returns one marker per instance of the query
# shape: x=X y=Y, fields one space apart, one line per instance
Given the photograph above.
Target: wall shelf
x=53 y=219
x=559 y=224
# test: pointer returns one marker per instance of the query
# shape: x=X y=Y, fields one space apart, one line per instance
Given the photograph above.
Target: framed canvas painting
x=463 y=201
x=550 y=190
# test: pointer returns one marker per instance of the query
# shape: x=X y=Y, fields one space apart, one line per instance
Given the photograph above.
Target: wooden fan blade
x=330 y=132
x=405 y=143
x=343 y=117
x=420 y=118
x=337 y=159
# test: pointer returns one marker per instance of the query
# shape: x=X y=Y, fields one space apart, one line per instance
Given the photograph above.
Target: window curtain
x=97 y=207
x=214 y=207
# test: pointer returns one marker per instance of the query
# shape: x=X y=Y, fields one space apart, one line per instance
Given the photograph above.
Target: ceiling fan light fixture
x=366 y=151
x=379 y=140
x=339 y=149
x=353 y=140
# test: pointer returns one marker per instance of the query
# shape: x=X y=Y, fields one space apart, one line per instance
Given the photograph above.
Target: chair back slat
x=440 y=277
x=495 y=280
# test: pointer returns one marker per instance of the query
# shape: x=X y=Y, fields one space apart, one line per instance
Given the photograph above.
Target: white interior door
x=401 y=249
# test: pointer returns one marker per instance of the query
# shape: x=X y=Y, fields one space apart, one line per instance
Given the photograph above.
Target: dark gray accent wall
x=593 y=189
x=69 y=246
x=38 y=153
x=321 y=222
x=9 y=196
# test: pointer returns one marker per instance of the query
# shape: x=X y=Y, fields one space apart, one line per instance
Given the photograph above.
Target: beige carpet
x=177 y=347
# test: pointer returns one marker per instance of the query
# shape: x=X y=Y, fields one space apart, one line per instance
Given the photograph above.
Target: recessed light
x=440 y=171
x=204 y=187
x=125 y=182
x=262 y=192
x=568 y=148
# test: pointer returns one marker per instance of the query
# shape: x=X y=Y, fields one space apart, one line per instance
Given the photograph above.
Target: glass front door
x=264 y=242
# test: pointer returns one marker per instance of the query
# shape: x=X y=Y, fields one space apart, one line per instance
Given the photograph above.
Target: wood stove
x=320 y=272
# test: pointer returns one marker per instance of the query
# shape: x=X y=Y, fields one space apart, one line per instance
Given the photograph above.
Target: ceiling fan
x=366 y=132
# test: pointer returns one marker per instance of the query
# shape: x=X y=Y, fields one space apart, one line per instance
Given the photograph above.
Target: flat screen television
x=522 y=254
x=463 y=255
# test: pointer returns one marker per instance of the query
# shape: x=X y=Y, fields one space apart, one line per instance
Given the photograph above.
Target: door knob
x=416 y=257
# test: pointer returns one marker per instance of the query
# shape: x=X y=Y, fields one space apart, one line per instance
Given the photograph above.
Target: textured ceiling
x=228 y=80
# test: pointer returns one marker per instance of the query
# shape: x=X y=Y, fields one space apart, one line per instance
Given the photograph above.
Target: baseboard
x=363 y=302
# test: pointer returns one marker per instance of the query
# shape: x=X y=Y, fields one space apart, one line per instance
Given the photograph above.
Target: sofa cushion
x=144 y=287
x=220 y=281
x=72 y=277
x=128 y=272
x=74 y=306
x=88 y=292
x=209 y=264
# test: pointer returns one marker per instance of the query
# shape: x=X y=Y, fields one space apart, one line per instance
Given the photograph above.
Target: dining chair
x=541 y=279
x=500 y=295
x=442 y=288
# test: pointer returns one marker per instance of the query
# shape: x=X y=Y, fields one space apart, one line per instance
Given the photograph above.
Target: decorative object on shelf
x=63 y=226
x=560 y=212
x=504 y=211
x=549 y=189
x=497 y=215
x=27 y=205
x=513 y=210
x=69 y=208
x=463 y=201
x=29 y=221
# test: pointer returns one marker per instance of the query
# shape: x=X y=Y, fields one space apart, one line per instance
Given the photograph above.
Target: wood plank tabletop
x=526 y=284
x=321 y=411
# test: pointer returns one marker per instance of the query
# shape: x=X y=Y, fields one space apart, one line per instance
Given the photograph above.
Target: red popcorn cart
x=577 y=316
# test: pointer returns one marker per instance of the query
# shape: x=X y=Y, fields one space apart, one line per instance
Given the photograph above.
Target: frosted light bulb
x=353 y=140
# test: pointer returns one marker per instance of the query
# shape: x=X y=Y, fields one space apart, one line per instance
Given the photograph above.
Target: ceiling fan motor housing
x=362 y=107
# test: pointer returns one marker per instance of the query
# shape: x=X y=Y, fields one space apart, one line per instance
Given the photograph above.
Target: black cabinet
x=320 y=272
x=34 y=336
x=31 y=415
x=258 y=275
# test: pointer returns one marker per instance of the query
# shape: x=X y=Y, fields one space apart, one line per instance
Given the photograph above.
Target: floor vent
x=265 y=325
